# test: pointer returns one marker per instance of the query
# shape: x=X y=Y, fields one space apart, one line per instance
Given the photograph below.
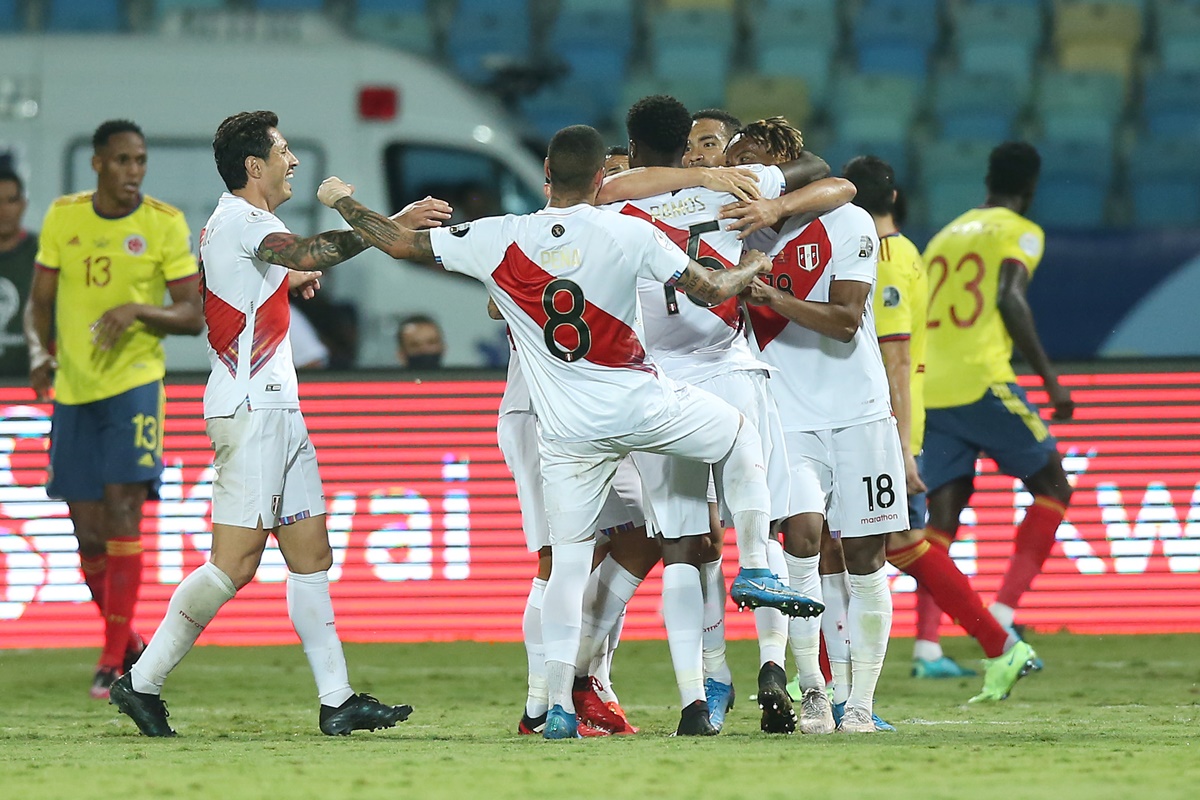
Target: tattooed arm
x=376 y=230
x=307 y=253
x=716 y=285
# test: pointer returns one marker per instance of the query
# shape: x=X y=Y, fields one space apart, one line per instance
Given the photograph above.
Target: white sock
x=609 y=589
x=742 y=478
x=835 y=590
x=870 y=627
x=805 y=634
x=535 y=653
x=311 y=612
x=927 y=650
x=712 y=581
x=598 y=670
x=1003 y=614
x=562 y=613
x=683 y=615
x=193 y=605
x=614 y=639
x=772 y=624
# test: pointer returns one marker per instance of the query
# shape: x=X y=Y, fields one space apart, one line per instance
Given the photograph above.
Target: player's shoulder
x=899 y=249
x=73 y=199
x=157 y=207
x=849 y=220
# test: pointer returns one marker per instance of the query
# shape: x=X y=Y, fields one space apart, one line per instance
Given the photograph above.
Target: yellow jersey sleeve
x=893 y=299
x=48 y=254
x=1024 y=241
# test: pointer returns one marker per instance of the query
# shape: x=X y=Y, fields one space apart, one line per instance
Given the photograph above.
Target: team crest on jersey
x=459 y=230
x=866 y=246
x=557 y=231
x=135 y=245
x=891 y=297
x=808 y=256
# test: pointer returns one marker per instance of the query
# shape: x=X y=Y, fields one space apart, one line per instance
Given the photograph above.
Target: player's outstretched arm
x=376 y=230
x=1018 y=319
x=308 y=253
x=802 y=171
x=840 y=318
x=716 y=285
x=38 y=323
x=634 y=184
x=808 y=202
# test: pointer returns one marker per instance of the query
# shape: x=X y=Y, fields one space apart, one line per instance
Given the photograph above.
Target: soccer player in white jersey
x=267 y=480
x=705 y=345
x=565 y=279
x=814 y=321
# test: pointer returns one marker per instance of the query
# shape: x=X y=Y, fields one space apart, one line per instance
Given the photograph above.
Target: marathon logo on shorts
x=879 y=518
x=274 y=387
x=808 y=256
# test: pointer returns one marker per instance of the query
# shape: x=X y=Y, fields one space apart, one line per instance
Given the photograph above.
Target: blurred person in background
x=94 y=325
x=18 y=247
x=308 y=351
x=419 y=343
x=616 y=160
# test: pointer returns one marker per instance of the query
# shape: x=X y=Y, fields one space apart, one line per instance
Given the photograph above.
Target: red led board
x=427 y=539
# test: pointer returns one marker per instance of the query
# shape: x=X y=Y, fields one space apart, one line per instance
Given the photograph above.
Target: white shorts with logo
x=577 y=474
x=679 y=490
x=266 y=468
x=852 y=476
x=518 y=439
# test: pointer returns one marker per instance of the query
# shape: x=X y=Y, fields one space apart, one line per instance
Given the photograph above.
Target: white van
x=394 y=125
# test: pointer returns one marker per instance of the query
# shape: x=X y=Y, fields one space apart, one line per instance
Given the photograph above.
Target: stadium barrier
x=428 y=546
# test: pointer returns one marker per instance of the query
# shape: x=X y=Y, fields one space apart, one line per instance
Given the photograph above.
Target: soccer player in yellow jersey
x=979 y=269
x=94 y=325
x=900 y=301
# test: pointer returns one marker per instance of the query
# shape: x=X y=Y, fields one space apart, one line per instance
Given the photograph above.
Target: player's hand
x=753 y=216
x=304 y=283
x=41 y=378
x=756 y=259
x=494 y=310
x=912 y=477
x=741 y=183
x=427 y=213
x=109 y=329
x=1060 y=398
x=333 y=189
x=757 y=293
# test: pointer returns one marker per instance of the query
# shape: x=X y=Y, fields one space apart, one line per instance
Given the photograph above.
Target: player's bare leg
x=683 y=616
x=870 y=623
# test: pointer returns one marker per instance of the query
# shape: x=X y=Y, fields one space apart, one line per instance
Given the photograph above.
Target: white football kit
x=565 y=279
x=705 y=346
x=843 y=447
x=266 y=466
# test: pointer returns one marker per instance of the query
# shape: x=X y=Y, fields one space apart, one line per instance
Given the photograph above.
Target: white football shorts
x=852 y=476
x=679 y=490
x=516 y=433
x=577 y=474
x=266 y=468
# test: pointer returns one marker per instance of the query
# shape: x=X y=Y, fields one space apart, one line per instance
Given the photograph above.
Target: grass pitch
x=1110 y=717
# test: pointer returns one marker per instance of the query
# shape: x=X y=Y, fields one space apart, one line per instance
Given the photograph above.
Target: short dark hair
x=660 y=124
x=1013 y=168
x=575 y=155
x=875 y=181
x=616 y=150
x=7 y=174
x=111 y=128
x=238 y=137
x=732 y=124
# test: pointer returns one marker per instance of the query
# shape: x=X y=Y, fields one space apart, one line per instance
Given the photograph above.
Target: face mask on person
x=425 y=361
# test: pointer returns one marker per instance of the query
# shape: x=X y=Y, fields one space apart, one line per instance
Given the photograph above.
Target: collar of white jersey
x=554 y=211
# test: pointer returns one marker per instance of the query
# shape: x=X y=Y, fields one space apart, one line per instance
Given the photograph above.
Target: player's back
x=684 y=335
x=565 y=279
x=968 y=346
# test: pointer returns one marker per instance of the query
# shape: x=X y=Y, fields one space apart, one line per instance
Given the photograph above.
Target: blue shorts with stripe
x=111 y=441
x=1002 y=425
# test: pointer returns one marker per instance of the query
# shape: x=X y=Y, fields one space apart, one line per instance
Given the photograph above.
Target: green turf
x=1110 y=717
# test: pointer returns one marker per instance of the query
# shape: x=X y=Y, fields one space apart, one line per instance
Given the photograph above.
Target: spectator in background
x=419 y=343
x=308 y=351
x=17 y=250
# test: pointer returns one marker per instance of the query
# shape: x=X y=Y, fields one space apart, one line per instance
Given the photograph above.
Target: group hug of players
x=822 y=351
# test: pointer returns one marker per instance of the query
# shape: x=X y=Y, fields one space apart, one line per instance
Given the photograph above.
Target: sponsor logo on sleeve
x=1030 y=244
x=866 y=246
x=460 y=230
x=891 y=296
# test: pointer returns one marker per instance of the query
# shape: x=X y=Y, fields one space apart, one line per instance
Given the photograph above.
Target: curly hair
x=777 y=136
x=1013 y=168
x=660 y=124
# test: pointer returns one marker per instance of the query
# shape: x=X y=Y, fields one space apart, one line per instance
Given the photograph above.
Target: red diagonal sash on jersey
x=730 y=311
x=613 y=343
x=796 y=270
x=225 y=325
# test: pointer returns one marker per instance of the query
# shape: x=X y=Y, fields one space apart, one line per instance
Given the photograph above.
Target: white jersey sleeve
x=654 y=254
x=854 y=257
x=475 y=255
x=259 y=225
x=771 y=183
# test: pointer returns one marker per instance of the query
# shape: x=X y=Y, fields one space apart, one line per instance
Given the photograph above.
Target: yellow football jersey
x=901 y=301
x=101 y=264
x=968 y=348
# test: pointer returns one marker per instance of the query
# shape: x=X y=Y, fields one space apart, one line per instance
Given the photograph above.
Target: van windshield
x=474 y=184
